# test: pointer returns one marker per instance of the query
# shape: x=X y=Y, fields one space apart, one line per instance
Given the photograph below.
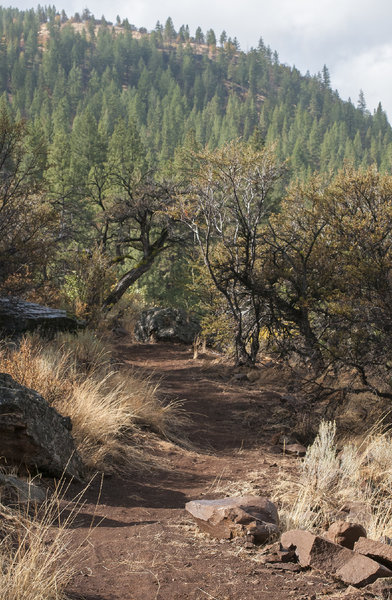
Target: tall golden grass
x=36 y=558
x=108 y=404
x=331 y=479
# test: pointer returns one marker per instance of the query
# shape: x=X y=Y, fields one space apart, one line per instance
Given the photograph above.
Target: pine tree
x=199 y=36
x=169 y=33
x=361 y=105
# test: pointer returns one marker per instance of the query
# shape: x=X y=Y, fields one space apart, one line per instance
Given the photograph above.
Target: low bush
x=333 y=482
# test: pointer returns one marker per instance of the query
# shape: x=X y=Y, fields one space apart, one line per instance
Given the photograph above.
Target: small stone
x=382 y=588
x=351 y=590
x=19 y=491
x=295 y=449
x=271 y=548
x=282 y=556
x=345 y=534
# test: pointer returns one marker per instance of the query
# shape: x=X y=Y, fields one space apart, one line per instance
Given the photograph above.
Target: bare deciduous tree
x=229 y=197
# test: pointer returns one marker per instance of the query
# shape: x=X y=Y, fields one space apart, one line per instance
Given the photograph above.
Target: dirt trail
x=145 y=546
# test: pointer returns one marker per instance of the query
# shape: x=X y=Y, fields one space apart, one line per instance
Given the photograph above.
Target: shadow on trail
x=224 y=415
x=90 y=520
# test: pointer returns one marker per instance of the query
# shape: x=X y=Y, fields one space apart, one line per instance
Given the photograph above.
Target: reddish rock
x=376 y=550
x=361 y=570
x=345 y=534
x=236 y=517
x=319 y=553
x=281 y=556
x=302 y=541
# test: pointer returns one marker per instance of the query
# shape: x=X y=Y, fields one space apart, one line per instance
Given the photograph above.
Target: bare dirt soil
x=144 y=546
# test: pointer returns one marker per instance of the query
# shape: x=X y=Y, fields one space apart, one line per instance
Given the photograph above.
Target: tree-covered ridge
x=78 y=79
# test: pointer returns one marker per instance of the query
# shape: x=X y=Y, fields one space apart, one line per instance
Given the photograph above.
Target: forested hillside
x=81 y=81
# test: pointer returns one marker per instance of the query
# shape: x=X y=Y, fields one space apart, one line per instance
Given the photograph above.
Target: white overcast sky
x=352 y=37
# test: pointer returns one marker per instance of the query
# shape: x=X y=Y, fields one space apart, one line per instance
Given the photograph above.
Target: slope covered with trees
x=78 y=78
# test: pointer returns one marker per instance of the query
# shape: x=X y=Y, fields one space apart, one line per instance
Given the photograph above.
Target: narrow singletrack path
x=145 y=547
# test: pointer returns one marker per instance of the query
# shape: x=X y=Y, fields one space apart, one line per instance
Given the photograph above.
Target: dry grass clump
x=40 y=367
x=108 y=404
x=332 y=484
x=35 y=558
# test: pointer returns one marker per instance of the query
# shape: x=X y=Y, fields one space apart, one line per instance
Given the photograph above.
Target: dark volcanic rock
x=19 y=491
x=166 y=325
x=33 y=433
x=19 y=316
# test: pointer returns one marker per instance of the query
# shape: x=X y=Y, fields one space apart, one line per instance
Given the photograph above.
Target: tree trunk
x=133 y=275
x=125 y=282
x=311 y=343
x=242 y=356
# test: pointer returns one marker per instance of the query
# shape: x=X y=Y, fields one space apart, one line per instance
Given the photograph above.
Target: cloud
x=369 y=70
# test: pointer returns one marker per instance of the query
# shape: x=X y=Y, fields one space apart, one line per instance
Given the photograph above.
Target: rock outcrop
x=254 y=517
x=166 y=325
x=34 y=434
x=18 y=316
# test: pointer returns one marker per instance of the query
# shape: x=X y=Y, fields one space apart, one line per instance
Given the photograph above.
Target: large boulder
x=34 y=434
x=243 y=516
x=166 y=325
x=18 y=316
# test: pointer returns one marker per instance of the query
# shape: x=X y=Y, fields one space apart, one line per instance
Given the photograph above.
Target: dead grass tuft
x=36 y=561
x=353 y=484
